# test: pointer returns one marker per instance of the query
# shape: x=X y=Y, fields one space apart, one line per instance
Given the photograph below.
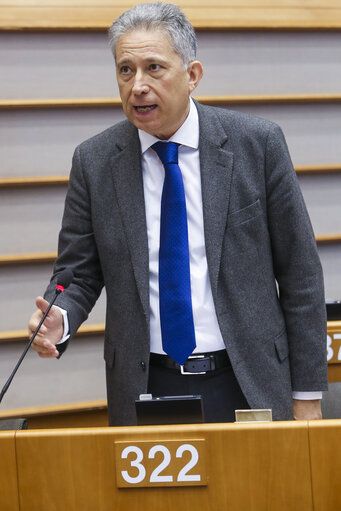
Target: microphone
x=64 y=279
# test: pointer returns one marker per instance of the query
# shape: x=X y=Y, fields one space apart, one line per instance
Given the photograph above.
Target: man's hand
x=307 y=410
x=50 y=332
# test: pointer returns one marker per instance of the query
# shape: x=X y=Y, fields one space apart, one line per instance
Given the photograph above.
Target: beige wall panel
x=322 y=194
x=79 y=375
x=330 y=258
x=52 y=65
x=64 y=65
x=42 y=141
x=331 y=402
x=270 y=63
x=30 y=219
x=313 y=132
x=19 y=286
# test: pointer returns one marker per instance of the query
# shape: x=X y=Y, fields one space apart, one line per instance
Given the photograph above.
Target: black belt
x=195 y=364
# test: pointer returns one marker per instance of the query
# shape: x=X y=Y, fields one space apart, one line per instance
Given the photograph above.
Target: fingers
x=42 y=304
x=34 y=322
x=44 y=348
x=50 y=332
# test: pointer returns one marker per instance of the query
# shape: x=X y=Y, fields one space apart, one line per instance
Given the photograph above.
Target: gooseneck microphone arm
x=64 y=280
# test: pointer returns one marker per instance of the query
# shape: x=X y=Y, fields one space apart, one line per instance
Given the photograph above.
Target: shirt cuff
x=66 y=334
x=307 y=396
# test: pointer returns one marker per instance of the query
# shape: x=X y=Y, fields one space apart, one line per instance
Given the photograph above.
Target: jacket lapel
x=127 y=176
x=216 y=165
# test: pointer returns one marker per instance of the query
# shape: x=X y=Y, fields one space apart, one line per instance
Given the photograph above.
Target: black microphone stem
x=7 y=384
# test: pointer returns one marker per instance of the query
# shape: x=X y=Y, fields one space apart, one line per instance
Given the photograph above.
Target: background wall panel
x=19 y=286
x=56 y=66
x=269 y=62
x=79 y=375
x=330 y=258
x=41 y=142
x=30 y=219
x=322 y=194
x=313 y=132
x=38 y=142
x=52 y=65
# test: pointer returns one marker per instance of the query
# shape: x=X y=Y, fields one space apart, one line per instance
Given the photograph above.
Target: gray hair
x=158 y=16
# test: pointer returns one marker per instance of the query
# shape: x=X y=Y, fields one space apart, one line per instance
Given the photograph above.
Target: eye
x=124 y=70
x=154 y=67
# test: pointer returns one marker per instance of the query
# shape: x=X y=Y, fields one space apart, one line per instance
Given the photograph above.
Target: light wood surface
x=334 y=373
x=43 y=181
x=325 y=451
x=324 y=239
x=279 y=466
x=68 y=415
x=33 y=182
x=98 y=329
x=8 y=473
x=21 y=335
x=221 y=14
x=250 y=467
x=316 y=169
x=19 y=259
x=48 y=257
x=251 y=99
x=54 y=409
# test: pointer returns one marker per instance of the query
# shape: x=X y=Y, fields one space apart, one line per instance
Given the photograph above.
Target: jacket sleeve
x=77 y=250
x=297 y=268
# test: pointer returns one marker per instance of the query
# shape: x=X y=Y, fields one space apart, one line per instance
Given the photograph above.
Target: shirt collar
x=187 y=134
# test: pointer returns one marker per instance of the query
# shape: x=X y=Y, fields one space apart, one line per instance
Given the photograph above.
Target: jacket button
x=143 y=365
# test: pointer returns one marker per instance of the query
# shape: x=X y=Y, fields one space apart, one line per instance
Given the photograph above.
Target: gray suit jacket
x=263 y=265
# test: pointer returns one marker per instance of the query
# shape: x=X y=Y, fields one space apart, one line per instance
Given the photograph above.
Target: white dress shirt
x=207 y=332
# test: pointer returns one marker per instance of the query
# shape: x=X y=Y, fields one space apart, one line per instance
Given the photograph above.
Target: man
x=255 y=309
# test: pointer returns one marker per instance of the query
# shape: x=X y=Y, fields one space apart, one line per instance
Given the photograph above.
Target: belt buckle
x=188 y=372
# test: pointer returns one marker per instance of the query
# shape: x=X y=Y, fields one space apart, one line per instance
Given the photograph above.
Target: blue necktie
x=177 y=327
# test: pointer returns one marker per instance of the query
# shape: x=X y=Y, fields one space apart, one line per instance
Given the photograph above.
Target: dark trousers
x=219 y=389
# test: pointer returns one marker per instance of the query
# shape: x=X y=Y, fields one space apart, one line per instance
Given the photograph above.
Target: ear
x=195 y=72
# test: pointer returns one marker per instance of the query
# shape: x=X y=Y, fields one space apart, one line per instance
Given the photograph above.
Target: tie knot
x=166 y=151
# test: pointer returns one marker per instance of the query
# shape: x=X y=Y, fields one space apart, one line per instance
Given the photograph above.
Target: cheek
x=123 y=89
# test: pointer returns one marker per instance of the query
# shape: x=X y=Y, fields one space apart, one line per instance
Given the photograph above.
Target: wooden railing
x=81 y=15
x=67 y=415
x=22 y=335
x=46 y=181
x=250 y=99
x=50 y=257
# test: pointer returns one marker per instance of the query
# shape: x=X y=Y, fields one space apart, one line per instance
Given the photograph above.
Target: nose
x=140 y=85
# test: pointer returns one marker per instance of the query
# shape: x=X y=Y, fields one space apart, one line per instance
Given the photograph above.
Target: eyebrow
x=127 y=60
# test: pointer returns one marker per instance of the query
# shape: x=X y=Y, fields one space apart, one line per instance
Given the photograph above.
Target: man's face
x=154 y=85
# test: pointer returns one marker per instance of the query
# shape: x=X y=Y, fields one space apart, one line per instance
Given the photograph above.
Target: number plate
x=160 y=463
x=334 y=346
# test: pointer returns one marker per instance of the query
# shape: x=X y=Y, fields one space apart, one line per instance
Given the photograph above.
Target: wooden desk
x=279 y=466
x=8 y=472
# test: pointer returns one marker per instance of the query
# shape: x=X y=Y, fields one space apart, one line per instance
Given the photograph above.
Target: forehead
x=144 y=43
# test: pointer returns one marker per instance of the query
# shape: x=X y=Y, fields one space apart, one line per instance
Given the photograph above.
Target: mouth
x=145 y=108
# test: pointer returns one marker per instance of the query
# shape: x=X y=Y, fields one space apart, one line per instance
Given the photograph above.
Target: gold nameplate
x=160 y=463
x=264 y=415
